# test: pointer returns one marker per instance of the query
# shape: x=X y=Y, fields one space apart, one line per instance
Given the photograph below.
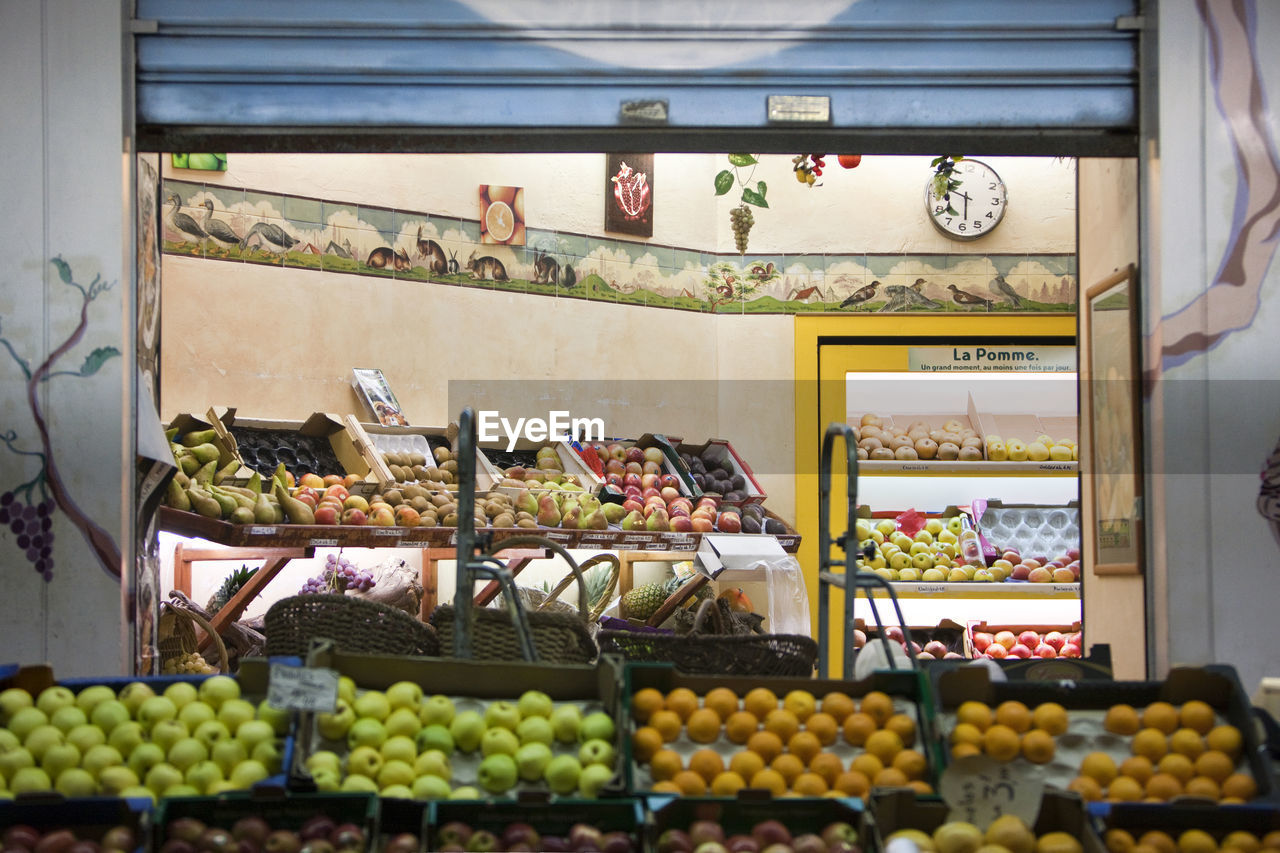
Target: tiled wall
x=311 y=233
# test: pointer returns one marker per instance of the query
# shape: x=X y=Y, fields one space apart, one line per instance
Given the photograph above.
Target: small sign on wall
x=502 y=215
x=628 y=194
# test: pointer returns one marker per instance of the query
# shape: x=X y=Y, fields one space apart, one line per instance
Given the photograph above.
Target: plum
x=702 y=831
x=768 y=832
x=675 y=841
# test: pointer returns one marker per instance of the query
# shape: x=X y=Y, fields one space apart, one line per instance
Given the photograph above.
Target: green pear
x=526 y=502
x=594 y=521
x=613 y=513
x=548 y=512
x=633 y=520
x=589 y=503
x=569 y=520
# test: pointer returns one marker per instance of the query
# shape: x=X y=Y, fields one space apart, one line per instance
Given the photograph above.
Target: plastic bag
x=788 y=597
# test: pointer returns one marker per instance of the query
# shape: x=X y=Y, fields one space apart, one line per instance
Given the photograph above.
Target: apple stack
x=301 y=822
x=1001 y=644
x=400 y=743
x=940 y=552
x=602 y=826
x=194 y=738
x=689 y=825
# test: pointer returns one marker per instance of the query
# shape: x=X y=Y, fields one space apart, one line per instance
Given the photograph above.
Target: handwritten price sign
x=979 y=789
x=303 y=689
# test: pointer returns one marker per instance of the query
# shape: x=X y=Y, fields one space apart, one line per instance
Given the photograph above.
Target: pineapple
x=643 y=601
x=229 y=588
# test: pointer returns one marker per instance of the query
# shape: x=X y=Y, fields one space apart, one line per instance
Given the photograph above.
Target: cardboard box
x=570 y=461
x=934 y=421
x=754 y=493
x=983 y=627
x=424 y=440
x=671 y=462
x=1026 y=427
x=896 y=809
x=1218 y=821
x=185 y=423
x=88 y=818
x=548 y=818
x=739 y=814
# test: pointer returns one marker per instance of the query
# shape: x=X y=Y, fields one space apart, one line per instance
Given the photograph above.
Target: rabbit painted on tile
x=546 y=269
x=430 y=251
x=486 y=267
x=383 y=257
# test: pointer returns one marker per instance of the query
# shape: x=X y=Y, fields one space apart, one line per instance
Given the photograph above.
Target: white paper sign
x=994 y=359
x=303 y=688
x=979 y=789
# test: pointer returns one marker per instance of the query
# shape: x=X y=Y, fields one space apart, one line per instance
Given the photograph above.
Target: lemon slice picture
x=499 y=221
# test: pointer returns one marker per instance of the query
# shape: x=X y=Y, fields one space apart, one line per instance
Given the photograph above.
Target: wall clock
x=977 y=206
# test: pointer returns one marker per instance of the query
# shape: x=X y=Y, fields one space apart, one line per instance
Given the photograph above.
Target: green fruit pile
x=400 y=743
x=192 y=663
x=185 y=741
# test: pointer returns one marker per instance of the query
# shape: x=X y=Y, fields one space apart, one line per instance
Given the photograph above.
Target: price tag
x=388 y=532
x=979 y=789
x=323 y=543
x=598 y=538
x=558 y=536
x=930 y=588
x=262 y=531
x=453 y=538
x=1066 y=587
x=302 y=688
x=637 y=539
x=681 y=543
x=658 y=545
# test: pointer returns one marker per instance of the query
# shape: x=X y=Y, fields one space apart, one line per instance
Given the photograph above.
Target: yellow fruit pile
x=1007 y=833
x=1011 y=730
x=1043 y=449
x=1190 y=841
x=191 y=663
x=786 y=746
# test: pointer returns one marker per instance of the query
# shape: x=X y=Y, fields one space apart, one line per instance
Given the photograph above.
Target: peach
x=1040 y=575
x=1006 y=639
x=996 y=651
x=1044 y=650
x=981 y=640
x=1019 y=651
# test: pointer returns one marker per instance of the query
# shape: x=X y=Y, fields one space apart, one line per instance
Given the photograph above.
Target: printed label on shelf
x=657 y=545
x=1003 y=359
x=384 y=532
x=262 y=531
x=1056 y=466
x=599 y=538
x=302 y=688
x=323 y=543
x=558 y=536
x=978 y=789
x=931 y=588
x=637 y=539
x=1066 y=587
x=681 y=543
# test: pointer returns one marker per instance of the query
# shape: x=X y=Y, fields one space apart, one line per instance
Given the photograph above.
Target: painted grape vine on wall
x=27 y=509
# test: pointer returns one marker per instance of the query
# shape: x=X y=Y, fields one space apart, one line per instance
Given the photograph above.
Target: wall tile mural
x=224 y=224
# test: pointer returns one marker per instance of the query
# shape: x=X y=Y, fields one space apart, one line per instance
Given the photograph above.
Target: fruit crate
x=935 y=423
x=738 y=816
x=1042 y=532
x=398 y=819
x=752 y=492
x=907 y=689
x=891 y=811
x=1219 y=821
x=1042 y=633
x=671 y=462
x=1087 y=701
x=281 y=812
x=950 y=635
x=498 y=459
x=89 y=819
x=424 y=440
x=473 y=685
x=547 y=819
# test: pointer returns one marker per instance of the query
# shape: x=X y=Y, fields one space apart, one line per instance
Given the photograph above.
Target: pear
x=263 y=511
x=189 y=464
x=176 y=496
x=296 y=510
x=548 y=512
x=526 y=502
x=633 y=520
x=594 y=520
x=658 y=521
x=570 y=519
x=196 y=438
x=203 y=503
x=613 y=513
x=589 y=503
x=206 y=453
x=204 y=476
x=569 y=503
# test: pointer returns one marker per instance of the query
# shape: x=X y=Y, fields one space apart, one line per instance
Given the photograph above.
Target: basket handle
x=541 y=542
x=676 y=599
x=599 y=607
x=707 y=606
x=181 y=609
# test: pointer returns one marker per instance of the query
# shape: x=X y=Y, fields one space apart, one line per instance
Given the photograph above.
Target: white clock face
x=974 y=208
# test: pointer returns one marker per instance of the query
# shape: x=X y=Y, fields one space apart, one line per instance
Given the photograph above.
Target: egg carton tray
x=1030 y=529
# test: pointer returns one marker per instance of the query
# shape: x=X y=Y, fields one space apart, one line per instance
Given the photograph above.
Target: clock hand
x=965 y=196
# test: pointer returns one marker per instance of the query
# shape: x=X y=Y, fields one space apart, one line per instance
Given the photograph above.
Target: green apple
x=497 y=772
x=562 y=774
x=277 y=717
x=134 y=694
x=233 y=713
x=923 y=536
x=269 y=755
x=919 y=548
x=565 y=721
x=596 y=751
x=100 y=757
x=955 y=524
x=13 y=700
x=39 y=739
x=108 y=714
x=253 y=732
x=396 y=792
x=327 y=779
x=438 y=709
x=466 y=792
x=366 y=731
x=182 y=789
x=862 y=528
x=59 y=757
x=67 y=718
x=211 y=731
x=8 y=740
x=532 y=760
x=467 y=729
x=396 y=773
x=14 y=760
x=957 y=575
x=187 y=752
x=181 y=694
x=324 y=758
x=403 y=721
x=155 y=709
x=113 y=780
x=887 y=574
x=141 y=760
x=948 y=537
x=404 y=694
x=922 y=561
x=161 y=777
x=499 y=741
x=502 y=714
x=534 y=703
x=365 y=761
x=137 y=792
x=374 y=704
x=195 y=713
x=433 y=762
x=899 y=561
x=434 y=736
x=593 y=778
x=168 y=732
x=983 y=576
x=335 y=726
x=359 y=784
x=1017 y=450
x=124 y=737
x=248 y=773
x=203 y=775
x=217 y=689
x=87 y=699
x=55 y=697
x=596 y=726
x=535 y=730
x=227 y=753
x=902 y=540
x=26 y=720
x=347 y=689
x=28 y=780
x=909 y=574
x=399 y=748
x=933 y=576
x=886 y=526
x=431 y=788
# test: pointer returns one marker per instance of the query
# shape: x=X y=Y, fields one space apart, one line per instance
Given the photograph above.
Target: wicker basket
x=715 y=654
x=354 y=624
x=177 y=634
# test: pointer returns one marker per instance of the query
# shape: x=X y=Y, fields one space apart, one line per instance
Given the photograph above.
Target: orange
x=1178 y=766
x=964 y=750
x=1001 y=742
x=782 y=723
x=824 y=726
x=1150 y=742
x=645 y=702
x=1121 y=720
x=1245 y=842
x=690 y=783
x=1139 y=768
x=810 y=785
x=1051 y=717
x=1038 y=746
x=1163 y=787
x=1216 y=765
x=1240 y=785
x=853 y=783
x=1161 y=841
x=767 y=744
x=1125 y=790
x=740 y=726
x=878 y=706
x=645 y=742
x=920 y=787
x=867 y=764
x=801 y=703
x=1197 y=715
x=666 y=786
x=890 y=777
x=727 y=784
x=1203 y=786
x=1197 y=841
x=1013 y=714
x=790 y=766
x=668 y=723
x=666 y=763
x=1088 y=788
x=838 y=705
x=760 y=701
x=1118 y=841
x=827 y=765
x=722 y=700
x=771 y=780
x=904 y=726
x=884 y=745
x=707 y=763
x=857 y=728
x=967 y=733
x=1271 y=839
x=1160 y=715
x=1186 y=742
x=746 y=763
x=1099 y=767
x=805 y=745
x=1225 y=739
x=911 y=763
x=703 y=726
x=975 y=714
x=683 y=701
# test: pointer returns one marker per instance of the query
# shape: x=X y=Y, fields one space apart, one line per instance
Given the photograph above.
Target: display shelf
x=916 y=468
x=969 y=590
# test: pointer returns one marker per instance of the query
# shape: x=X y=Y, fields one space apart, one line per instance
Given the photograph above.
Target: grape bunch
x=32 y=524
x=191 y=663
x=741 y=220
x=338 y=575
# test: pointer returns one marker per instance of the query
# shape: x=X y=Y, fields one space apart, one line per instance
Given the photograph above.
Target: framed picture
x=502 y=215
x=1113 y=388
x=628 y=194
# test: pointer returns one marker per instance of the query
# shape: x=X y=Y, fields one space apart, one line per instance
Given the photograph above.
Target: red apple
x=914 y=650
x=632 y=480
x=613 y=478
x=635 y=454
x=684 y=502
x=997 y=652
x=602 y=452
x=1012 y=556
x=953 y=656
x=327 y=513
x=935 y=648
x=849 y=161
x=382 y=516
x=650 y=481
x=981 y=639
x=651 y=507
x=681 y=524
x=669 y=493
x=1040 y=575
x=1076 y=640
x=615 y=466
x=315 y=481
x=617 y=451
x=708 y=501
x=1073 y=553
x=1055 y=639
x=1030 y=639
x=702 y=524
x=1006 y=639
x=350 y=480
x=309 y=498
x=893 y=632
x=651 y=467
x=680 y=510
x=1031 y=562
x=1064 y=575
x=1069 y=650
x=1020 y=651
x=332 y=479
x=407 y=516
x=634 y=468
x=1019 y=573
x=1075 y=568
x=354 y=515
x=631 y=504
x=356 y=502
x=650 y=492
x=729 y=522
x=670 y=480
x=1044 y=650
x=338 y=491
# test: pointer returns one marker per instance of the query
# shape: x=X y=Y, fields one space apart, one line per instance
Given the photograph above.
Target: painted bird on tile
x=1002 y=288
x=860 y=295
x=963 y=297
x=216 y=228
x=183 y=224
x=273 y=234
x=905 y=299
x=918 y=286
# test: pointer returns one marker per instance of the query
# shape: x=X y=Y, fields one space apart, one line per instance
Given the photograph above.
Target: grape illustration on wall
x=502 y=215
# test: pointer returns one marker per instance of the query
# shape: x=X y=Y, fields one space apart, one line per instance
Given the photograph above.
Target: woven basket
x=177 y=634
x=712 y=654
x=354 y=624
